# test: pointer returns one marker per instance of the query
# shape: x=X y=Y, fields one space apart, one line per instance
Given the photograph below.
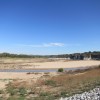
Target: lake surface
x=41 y=70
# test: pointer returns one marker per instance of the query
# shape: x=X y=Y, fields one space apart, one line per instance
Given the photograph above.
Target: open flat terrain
x=66 y=64
x=6 y=77
x=42 y=63
x=36 y=63
x=44 y=86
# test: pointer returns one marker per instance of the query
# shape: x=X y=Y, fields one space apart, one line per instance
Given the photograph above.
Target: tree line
x=87 y=54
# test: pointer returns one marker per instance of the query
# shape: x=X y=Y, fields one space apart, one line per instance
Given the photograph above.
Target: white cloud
x=45 y=45
x=53 y=45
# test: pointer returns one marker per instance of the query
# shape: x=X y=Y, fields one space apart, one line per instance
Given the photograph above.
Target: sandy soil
x=40 y=63
x=6 y=77
x=64 y=64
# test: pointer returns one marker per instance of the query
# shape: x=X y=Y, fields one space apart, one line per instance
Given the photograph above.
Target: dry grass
x=75 y=83
x=64 y=84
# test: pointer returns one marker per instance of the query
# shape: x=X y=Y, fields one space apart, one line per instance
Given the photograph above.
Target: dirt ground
x=6 y=77
x=37 y=63
x=42 y=63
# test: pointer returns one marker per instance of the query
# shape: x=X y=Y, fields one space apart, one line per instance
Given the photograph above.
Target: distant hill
x=19 y=55
x=95 y=54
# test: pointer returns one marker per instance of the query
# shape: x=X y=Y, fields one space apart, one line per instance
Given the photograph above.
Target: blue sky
x=49 y=26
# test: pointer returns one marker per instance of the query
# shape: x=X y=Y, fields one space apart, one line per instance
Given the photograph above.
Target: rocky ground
x=91 y=95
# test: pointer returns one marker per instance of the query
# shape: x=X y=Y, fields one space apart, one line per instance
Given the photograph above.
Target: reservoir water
x=41 y=70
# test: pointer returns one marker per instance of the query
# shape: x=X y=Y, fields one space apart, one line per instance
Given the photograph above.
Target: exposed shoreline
x=54 y=65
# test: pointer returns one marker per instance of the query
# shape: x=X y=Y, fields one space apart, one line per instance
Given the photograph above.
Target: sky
x=47 y=27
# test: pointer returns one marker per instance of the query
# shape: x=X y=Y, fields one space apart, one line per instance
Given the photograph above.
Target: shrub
x=99 y=66
x=22 y=91
x=60 y=70
x=1 y=91
x=64 y=94
x=50 y=82
x=44 y=94
x=11 y=90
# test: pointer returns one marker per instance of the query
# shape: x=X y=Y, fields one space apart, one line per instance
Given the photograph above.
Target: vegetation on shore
x=60 y=70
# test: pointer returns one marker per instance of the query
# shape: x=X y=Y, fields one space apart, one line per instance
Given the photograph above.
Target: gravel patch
x=91 y=95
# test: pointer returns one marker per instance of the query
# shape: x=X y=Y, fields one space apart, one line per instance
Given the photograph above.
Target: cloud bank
x=45 y=45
